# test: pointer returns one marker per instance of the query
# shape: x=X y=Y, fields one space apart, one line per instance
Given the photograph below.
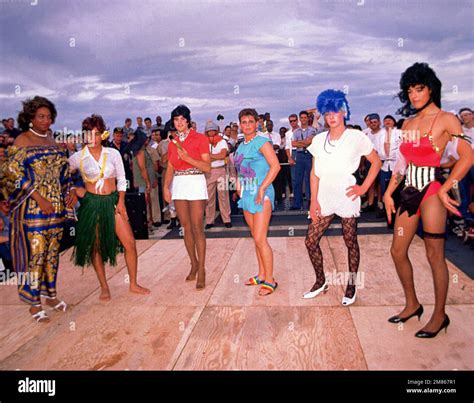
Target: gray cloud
x=140 y=57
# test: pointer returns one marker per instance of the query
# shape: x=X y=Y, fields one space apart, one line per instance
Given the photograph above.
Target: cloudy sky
x=133 y=58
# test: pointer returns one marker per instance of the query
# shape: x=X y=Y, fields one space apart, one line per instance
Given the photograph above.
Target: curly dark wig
x=30 y=106
x=419 y=73
x=182 y=110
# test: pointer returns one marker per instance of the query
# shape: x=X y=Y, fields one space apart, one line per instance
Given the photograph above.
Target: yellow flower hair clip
x=105 y=135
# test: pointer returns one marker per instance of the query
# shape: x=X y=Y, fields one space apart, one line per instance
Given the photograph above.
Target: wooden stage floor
x=227 y=326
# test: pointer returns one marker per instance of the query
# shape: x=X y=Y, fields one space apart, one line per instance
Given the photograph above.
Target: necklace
x=102 y=168
x=328 y=141
x=246 y=142
x=182 y=136
x=38 y=134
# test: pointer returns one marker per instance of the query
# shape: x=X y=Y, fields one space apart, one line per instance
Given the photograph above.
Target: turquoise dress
x=252 y=168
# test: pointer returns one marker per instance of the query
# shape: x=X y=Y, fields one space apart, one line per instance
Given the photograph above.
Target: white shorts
x=189 y=187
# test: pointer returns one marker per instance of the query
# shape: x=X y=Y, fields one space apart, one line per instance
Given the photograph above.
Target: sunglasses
x=293 y=120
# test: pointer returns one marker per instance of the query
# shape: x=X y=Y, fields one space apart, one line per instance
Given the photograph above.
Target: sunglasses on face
x=293 y=120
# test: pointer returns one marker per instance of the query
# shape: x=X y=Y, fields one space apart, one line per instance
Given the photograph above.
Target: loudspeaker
x=136 y=210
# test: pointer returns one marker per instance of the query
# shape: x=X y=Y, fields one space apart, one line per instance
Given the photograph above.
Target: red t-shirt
x=195 y=144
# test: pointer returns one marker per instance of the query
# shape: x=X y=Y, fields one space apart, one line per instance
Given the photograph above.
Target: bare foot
x=201 y=280
x=34 y=310
x=192 y=274
x=260 y=279
x=137 y=289
x=105 y=295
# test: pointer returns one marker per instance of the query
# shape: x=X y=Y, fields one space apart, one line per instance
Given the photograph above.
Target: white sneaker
x=323 y=289
x=380 y=205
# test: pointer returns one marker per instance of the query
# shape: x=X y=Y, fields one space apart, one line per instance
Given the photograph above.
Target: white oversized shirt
x=91 y=167
x=334 y=165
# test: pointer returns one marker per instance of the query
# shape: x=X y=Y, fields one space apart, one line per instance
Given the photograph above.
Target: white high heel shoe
x=349 y=301
x=311 y=294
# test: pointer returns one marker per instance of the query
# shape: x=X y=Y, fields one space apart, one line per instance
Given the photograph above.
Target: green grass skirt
x=96 y=216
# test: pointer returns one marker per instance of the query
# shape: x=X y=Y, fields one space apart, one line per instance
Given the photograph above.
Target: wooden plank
x=273 y=338
x=388 y=346
x=381 y=285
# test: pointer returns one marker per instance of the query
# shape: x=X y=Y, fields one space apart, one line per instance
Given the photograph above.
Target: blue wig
x=333 y=101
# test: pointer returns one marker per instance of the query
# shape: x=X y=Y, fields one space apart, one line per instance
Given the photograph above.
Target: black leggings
x=316 y=231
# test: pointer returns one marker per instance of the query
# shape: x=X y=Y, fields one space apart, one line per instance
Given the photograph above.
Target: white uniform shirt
x=275 y=138
x=469 y=131
x=221 y=145
x=388 y=161
x=289 y=138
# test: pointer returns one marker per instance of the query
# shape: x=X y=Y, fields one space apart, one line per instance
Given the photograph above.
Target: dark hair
x=418 y=74
x=357 y=127
x=392 y=118
x=93 y=122
x=304 y=113
x=128 y=120
x=227 y=127
x=147 y=119
x=169 y=127
x=400 y=123
x=261 y=116
x=30 y=106
x=156 y=130
x=118 y=130
x=182 y=110
x=293 y=115
x=248 y=112
x=464 y=109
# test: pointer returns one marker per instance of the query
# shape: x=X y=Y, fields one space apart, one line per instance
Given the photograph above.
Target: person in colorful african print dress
x=38 y=185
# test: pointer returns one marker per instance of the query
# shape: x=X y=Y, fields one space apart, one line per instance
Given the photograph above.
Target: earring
x=31 y=124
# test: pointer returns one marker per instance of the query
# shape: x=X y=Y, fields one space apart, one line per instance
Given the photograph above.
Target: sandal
x=61 y=306
x=40 y=316
x=254 y=281
x=268 y=286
